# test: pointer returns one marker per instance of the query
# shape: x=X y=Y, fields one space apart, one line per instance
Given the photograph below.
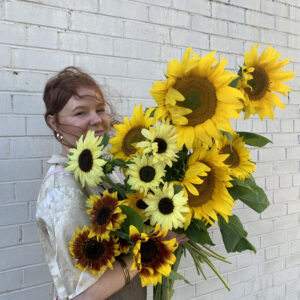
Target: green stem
x=107 y=179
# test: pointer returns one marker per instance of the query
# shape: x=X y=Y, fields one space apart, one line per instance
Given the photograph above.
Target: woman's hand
x=180 y=238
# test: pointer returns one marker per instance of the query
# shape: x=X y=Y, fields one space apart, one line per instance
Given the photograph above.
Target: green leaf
x=123 y=235
x=229 y=137
x=250 y=194
x=234 y=235
x=198 y=233
x=176 y=276
x=105 y=140
x=235 y=82
x=133 y=218
x=177 y=188
x=254 y=139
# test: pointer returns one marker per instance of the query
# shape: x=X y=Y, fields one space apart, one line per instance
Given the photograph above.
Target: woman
x=75 y=104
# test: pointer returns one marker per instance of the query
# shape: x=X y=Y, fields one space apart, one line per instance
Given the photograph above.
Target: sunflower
x=136 y=201
x=153 y=257
x=166 y=208
x=267 y=78
x=84 y=160
x=197 y=99
x=106 y=215
x=213 y=197
x=144 y=174
x=129 y=133
x=124 y=246
x=161 y=143
x=238 y=160
x=91 y=254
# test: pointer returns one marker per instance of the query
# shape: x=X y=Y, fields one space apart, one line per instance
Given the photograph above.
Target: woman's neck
x=64 y=150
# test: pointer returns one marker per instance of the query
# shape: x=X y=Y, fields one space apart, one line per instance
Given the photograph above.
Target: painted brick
x=12 y=33
x=165 y=3
x=27 y=12
x=10 y=236
x=294 y=97
x=259 y=126
x=27 y=190
x=274 y=38
x=6 y=103
x=169 y=17
x=36 y=125
x=295 y=13
x=291 y=287
x=293 y=234
x=209 y=285
x=254 y=4
x=272 y=293
x=275 y=8
x=185 y=292
x=287 y=125
x=124 y=9
x=285 y=139
x=273 y=125
x=286 y=25
x=286 y=167
x=170 y=52
x=12 y=125
x=32 y=210
x=99 y=45
x=293 y=207
x=72 y=41
x=285 y=275
x=257 y=228
x=11 y=280
x=4 y=148
x=272 y=266
x=260 y=283
x=20 y=169
x=5 y=56
x=247 y=215
x=244 y=32
x=286 y=195
x=13 y=214
x=271 y=239
x=293 y=260
x=93 y=23
x=286 y=222
x=36 y=275
x=264 y=169
x=209 y=25
x=293 y=153
x=272 y=252
x=41 y=37
x=228 y=12
x=272 y=154
x=272 y=182
x=136 y=69
x=260 y=20
x=293 y=41
x=285 y=181
x=28 y=104
x=201 y=7
x=192 y=39
x=29 y=233
x=6 y=192
x=146 y=32
x=296 y=180
x=226 y=45
x=136 y=49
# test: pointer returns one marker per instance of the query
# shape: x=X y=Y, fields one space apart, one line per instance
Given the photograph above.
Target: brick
x=294 y=207
x=244 y=32
x=10 y=236
x=273 y=125
x=271 y=154
x=272 y=182
x=236 y=292
x=20 y=169
x=43 y=60
x=170 y=52
x=209 y=25
x=286 y=167
x=21 y=81
x=136 y=49
x=209 y=285
x=275 y=8
x=247 y=215
x=293 y=234
x=272 y=239
x=192 y=39
x=293 y=260
x=286 y=195
x=259 y=126
x=43 y=292
x=292 y=153
x=260 y=20
x=165 y=3
x=94 y=23
x=99 y=45
x=272 y=252
x=12 y=125
x=294 y=97
x=146 y=32
x=287 y=125
x=285 y=181
x=13 y=214
x=185 y=292
x=36 y=125
x=296 y=180
x=285 y=248
x=297 y=125
x=228 y=12
x=29 y=233
x=28 y=104
x=35 y=36
x=249 y=259
x=264 y=169
x=12 y=33
x=286 y=222
x=26 y=12
x=7 y=193
x=72 y=41
x=291 y=111
x=6 y=103
x=253 y=4
x=226 y=45
x=293 y=41
x=27 y=190
x=285 y=139
x=136 y=69
x=286 y=25
x=285 y=275
x=257 y=228
x=32 y=147
x=260 y=283
x=36 y=275
x=244 y=125
x=274 y=37
x=272 y=266
x=5 y=56
x=294 y=13
x=291 y=287
x=124 y=9
x=4 y=148
x=272 y=293
x=32 y=210
x=11 y=280
x=169 y=17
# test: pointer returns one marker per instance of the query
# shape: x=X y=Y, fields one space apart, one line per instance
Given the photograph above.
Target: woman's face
x=82 y=114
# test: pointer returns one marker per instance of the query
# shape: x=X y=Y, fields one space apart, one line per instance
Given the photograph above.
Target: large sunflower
x=238 y=160
x=267 y=78
x=197 y=99
x=129 y=133
x=84 y=160
x=167 y=208
x=213 y=197
x=153 y=257
x=136 y=201
x=91 y=254
x=161 y=143
x=106 y=215
x=144 y=174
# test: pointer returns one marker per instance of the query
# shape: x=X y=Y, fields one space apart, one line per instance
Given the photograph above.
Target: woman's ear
x=51 y=121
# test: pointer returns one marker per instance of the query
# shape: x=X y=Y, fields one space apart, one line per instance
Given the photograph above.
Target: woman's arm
x=109 y=283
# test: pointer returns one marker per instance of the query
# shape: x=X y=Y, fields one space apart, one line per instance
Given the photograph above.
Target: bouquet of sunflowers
x=184 y=168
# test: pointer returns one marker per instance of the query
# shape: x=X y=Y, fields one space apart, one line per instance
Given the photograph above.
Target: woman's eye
x=80 y=113
x=100 y=111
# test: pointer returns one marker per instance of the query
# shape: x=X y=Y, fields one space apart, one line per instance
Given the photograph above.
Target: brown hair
x=60 y=88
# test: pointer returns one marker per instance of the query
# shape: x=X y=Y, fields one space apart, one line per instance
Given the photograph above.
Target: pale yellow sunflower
x=85 y=160
x=129 y=133
x=197 y=98
x=267 y=78
x=136 y=201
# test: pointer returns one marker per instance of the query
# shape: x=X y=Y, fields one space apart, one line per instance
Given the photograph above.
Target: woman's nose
x=95 y=118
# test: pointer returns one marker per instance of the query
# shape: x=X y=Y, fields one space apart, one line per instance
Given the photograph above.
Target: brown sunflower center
x=85 y=160
x=93 y=250
x=147 y=173
x=165 y=206
x=233 y=159
x=205 y=189
x=149 y=251
x=103 y=215
x=133 y=136
x=162 y=145
x=141 y=204
x=200 y=97
x=259 y=84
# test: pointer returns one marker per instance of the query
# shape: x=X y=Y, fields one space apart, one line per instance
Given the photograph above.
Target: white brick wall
x=126 y=44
